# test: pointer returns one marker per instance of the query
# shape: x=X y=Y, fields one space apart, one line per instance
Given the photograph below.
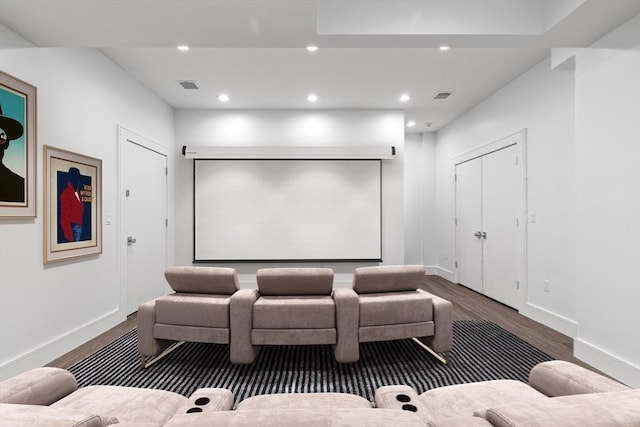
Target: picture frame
x=17 y=148
x=72 y=205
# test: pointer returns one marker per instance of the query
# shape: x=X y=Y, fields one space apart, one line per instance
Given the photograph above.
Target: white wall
x=429 y=225
x=608 y=203
x=413 y=199
x=419 y=201
x=542 y=102
x=46 y=311
x=294 y=127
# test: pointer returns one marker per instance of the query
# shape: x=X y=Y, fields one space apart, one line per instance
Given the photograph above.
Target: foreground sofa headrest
x=295 y=281
x=561 y=378
x=39 y=386
x=387 y=278
x=202 y=280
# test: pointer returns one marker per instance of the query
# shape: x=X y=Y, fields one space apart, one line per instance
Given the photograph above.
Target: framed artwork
x=72 y=205
x=17 y=148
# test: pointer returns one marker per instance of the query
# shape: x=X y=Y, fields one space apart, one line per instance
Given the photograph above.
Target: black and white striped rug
x=481 y=351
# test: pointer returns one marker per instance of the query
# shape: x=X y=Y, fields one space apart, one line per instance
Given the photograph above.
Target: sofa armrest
x=442 y=339
x=561 y=378
x=40 y=386
x=148 y=345
x=347 y=348
x=241 y=350
x=402 y=397
x=207 y=400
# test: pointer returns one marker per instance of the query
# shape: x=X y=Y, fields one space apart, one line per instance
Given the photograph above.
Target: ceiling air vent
x=442 y=95
x=188 y=84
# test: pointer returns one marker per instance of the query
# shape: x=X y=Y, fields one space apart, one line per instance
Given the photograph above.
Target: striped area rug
x=481 y=351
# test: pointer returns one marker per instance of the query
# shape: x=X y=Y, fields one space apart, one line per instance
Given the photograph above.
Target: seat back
x=387 y=278
x=294 y=281
x=202 y=280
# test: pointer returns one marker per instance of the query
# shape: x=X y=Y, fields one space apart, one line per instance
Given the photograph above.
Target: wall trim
x=56 y=347
x=620 y=369
x=554 y=321
x=439 y=271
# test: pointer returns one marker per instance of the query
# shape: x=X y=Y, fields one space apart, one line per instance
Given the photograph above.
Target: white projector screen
x=287 y=210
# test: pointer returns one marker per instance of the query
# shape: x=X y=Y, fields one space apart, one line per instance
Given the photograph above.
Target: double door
x=488 y=206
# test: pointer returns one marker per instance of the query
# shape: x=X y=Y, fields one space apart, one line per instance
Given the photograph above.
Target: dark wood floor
x=467 y=304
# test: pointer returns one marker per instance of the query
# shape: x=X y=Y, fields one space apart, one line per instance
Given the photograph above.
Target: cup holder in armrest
x=201 y=401
x=403 y=398
x=409 y=407
x=194 y=410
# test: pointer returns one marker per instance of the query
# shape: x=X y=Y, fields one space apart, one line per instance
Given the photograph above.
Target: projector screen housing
x=287 y=210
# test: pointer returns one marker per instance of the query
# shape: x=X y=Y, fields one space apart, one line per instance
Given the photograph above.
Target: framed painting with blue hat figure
x=72 y=205
x=17 y=148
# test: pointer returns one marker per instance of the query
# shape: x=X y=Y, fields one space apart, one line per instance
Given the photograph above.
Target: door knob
x=131 y=240
x=478 y=234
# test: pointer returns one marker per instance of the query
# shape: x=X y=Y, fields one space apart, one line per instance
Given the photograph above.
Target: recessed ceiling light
x=411 y=124
x=404 y=97
x=312 y=48
x=443 y=48
x=183 y=48
x=312 y=97
x=223 y=97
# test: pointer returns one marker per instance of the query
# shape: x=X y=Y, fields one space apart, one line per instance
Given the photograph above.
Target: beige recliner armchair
x=386 y=304
x=292 y=306
x=198 y=311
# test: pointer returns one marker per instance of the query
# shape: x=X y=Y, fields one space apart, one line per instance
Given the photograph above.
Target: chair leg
x=442 y=358
x=147 y=362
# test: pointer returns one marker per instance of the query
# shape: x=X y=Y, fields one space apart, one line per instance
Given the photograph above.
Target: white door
x=469 y=223
x=500 y=212
x=488 y=202
x=145 y=175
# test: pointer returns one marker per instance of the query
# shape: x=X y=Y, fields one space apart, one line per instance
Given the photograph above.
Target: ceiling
x=370 y=51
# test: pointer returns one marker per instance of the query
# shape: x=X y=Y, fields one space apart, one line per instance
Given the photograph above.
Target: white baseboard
x=439 y=271
x=55 y=348
x=622 y=370
x=554 y=321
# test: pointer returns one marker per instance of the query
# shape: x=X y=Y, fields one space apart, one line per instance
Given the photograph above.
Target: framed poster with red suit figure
x=73 y=205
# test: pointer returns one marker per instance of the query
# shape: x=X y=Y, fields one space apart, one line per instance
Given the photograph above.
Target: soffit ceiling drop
x=370 y=51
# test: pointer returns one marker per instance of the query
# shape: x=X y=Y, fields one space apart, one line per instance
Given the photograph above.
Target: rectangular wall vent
x=442 y=95
x=188 y=84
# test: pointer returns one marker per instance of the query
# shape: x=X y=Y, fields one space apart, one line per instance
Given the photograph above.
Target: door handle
x=484 y=235
x=131 y=240
x=478 y=234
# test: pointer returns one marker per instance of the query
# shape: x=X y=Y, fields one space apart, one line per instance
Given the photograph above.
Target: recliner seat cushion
x=393 y=308
x=304 y=401
x=203 y=280
x=387 y=278
x=301 y=312
x=23 y=415
x=201 y=310
x=295 y=281
x=127 y=404
x=475 y=398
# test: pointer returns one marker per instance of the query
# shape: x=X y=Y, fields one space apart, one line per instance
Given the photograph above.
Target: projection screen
x=287 y=210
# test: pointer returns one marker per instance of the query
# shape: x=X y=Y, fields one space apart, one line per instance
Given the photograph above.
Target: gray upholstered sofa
x=559 y=394
x=294 y=306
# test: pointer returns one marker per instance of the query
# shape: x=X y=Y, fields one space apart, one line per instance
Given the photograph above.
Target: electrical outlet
x=546 y=285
